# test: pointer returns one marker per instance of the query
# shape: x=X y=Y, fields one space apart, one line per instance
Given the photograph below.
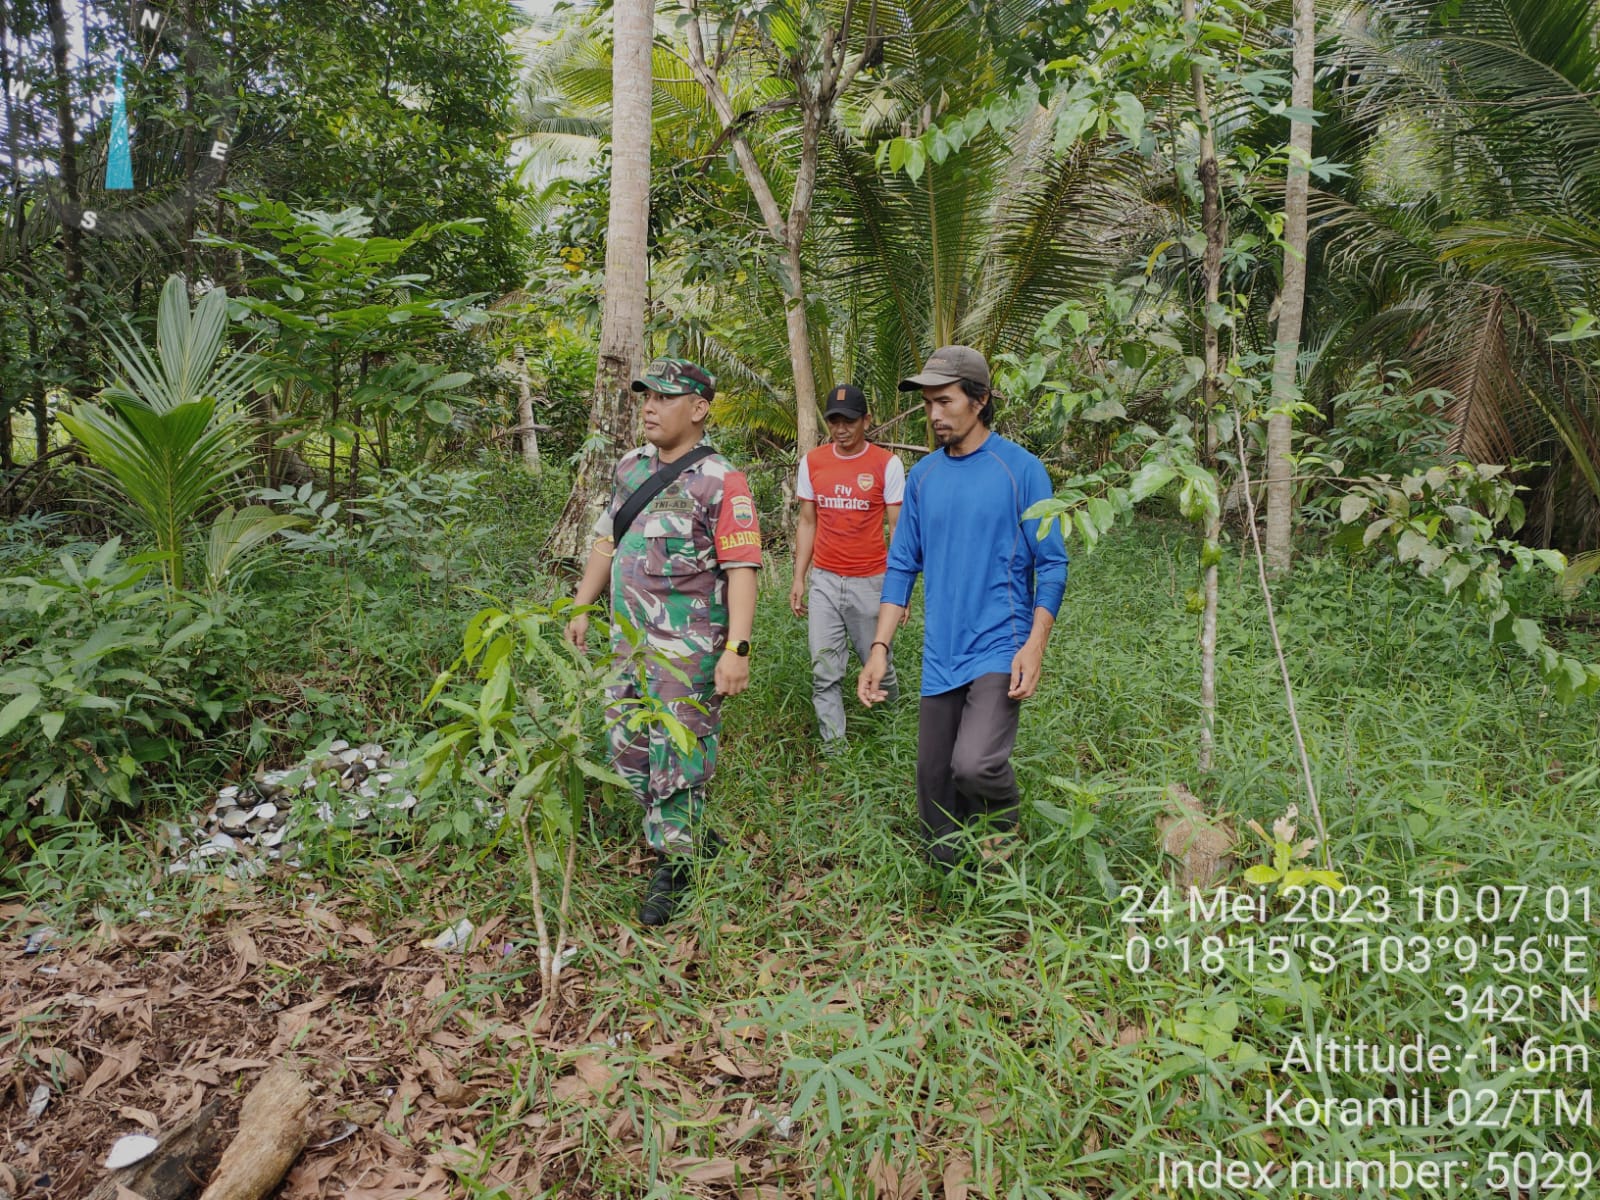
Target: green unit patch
x=673 y=504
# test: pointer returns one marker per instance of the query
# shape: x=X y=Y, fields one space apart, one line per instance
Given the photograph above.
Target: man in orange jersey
x=847 y=487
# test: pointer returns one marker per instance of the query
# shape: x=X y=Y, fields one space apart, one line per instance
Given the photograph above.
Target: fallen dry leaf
x=957 y=1176
x=117 y=1064
x=64 y=1066
x=142 y=1116
x=245 y=950
x=886 y=1175
x=363 y=1112
x=705 y=1170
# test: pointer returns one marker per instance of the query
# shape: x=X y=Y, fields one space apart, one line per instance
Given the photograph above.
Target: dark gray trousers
x=964 y=775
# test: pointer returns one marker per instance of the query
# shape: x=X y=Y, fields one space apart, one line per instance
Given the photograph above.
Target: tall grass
x=928 y=1022
x=934 y=1026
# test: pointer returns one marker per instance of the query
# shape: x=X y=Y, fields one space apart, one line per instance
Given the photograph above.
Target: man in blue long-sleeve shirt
x=992 y=589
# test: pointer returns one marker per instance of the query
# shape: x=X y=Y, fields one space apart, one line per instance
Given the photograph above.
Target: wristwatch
x=742 y=649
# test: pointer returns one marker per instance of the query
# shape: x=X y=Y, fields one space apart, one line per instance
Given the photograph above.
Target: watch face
x=111 y=201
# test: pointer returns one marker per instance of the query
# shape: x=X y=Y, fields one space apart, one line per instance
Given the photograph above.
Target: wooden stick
x=176 y=1168
x=273 y=1129
x=917 y=407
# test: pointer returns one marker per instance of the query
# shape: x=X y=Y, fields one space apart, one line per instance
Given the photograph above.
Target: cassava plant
x=528 y=739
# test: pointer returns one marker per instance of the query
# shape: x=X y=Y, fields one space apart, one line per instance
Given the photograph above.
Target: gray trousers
x=842 y=611
x=964 y=775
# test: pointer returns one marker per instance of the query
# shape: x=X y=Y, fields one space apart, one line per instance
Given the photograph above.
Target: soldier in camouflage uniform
x=679 y=591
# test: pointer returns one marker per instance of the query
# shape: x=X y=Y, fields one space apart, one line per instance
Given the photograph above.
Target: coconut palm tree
x=1470 y=229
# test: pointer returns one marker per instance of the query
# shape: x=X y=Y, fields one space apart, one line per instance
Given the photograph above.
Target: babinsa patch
x=744 y=511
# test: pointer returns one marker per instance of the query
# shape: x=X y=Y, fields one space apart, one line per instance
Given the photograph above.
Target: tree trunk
x=528 y=436
x=190 y=70
x=815 y=101
x=41 y=407
x=1213 y=220
x=805 y=384
x=356 y=422
x=611 y=409
x=1292 y=300
x=76 y=345
x=15 y=205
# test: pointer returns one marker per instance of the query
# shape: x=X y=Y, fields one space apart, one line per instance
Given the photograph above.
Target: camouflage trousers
x=669 y=783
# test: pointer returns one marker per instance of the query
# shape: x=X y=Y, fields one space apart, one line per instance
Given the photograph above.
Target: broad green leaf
x=438 y=411
x=1410 y=544
x=553 y=805
x=16 y=709
x=1095 y=855
x=453 y=380
x=1086 y=530
x=1053 y=813
x=1527 y=634
x=916 y=159
x=1073 y=122
x=601 y=774
x=1150 y=479
x=1127 y=114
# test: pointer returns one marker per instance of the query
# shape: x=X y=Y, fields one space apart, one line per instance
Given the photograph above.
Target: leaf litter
x=137 y=1028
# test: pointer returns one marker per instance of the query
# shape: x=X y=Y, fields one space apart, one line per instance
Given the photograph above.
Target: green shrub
x=406 y=520
x=103 y=682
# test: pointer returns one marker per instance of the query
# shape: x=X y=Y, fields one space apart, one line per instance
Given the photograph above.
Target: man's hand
x=577 y=630
x=873 y=670
x=797 y=597
x=1025 y=667
x=732 y=674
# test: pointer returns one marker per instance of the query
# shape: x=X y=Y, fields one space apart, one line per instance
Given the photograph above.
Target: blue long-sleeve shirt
x=985 y=568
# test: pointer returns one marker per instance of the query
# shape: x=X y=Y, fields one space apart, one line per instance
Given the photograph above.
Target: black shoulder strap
x=651 y=488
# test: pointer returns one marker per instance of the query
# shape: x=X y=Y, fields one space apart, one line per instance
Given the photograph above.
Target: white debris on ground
x=125 y=1151
x=457 y=937
x=251 y=825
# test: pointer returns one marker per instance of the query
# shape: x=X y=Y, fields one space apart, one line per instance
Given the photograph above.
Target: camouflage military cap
x=677 y=377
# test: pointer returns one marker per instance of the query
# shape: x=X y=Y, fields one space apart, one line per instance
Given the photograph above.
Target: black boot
x=669 y=882
x=707 y=845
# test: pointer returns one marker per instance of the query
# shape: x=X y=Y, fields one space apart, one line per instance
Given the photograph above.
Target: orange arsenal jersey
x=851 y=495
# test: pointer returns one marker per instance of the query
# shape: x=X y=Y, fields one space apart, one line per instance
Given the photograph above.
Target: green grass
x=904 y=1017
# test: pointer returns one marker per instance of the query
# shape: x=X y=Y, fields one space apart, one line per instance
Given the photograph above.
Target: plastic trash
x=126 y=1151
x=454 y=938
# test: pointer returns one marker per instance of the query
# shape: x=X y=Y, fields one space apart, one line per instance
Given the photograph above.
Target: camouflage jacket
x=669 y=576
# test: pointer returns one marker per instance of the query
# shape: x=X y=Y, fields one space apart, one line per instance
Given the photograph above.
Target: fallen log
x=273 y=1129
x=177 y=1167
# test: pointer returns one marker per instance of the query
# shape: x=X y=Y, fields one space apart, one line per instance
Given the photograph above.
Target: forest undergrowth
x=830 y=1018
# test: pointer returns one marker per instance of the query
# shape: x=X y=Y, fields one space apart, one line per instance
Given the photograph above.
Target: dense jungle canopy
x=317 y=324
